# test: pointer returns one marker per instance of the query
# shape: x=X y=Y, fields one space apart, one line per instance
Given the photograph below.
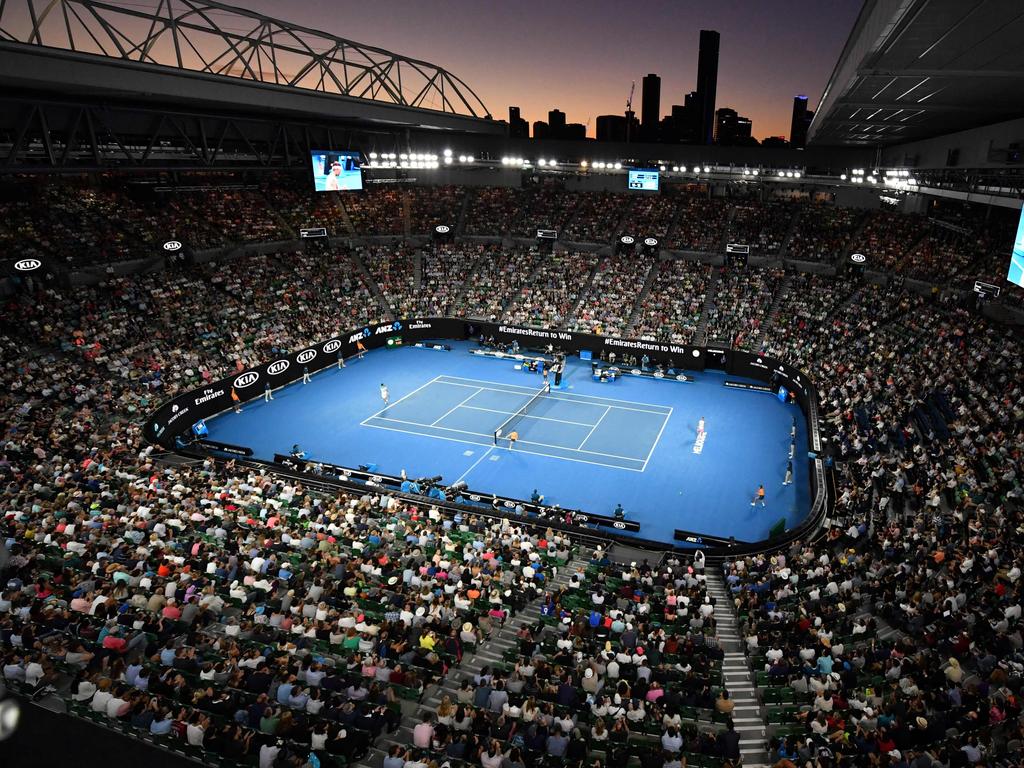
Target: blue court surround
x=586 y=445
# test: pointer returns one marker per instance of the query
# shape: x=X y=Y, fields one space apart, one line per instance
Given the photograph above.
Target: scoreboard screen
x=643 y=179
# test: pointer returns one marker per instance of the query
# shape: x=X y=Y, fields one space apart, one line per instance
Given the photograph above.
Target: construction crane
x=629 y=110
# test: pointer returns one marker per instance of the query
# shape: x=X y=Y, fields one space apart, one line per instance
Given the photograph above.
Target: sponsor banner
x=700 y=539
x=218 y=447
x=745 y=385
x=394 y=483
x=313 y=232
x=34 y=267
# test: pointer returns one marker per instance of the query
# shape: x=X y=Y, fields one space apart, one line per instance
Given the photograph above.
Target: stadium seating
x=226 y=614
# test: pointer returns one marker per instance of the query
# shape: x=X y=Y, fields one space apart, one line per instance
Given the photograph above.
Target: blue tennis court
x=586 y=445
x=583 y=428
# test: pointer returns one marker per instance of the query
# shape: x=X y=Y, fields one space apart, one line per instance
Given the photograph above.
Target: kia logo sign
x=331 y=346
x=650 y=242
x=442 y=229
x=627 y=240
x=247 y=379
x=305 y=356
x=858 y=258
x=27 y=265
x=278 y=366
x=172 y=246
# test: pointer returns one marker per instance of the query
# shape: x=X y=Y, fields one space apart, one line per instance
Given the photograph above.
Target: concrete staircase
x=652 y=275
x=738 y=677
x=585 y=291
x=406 y=213
x=417 y=269
x=784 y=248
x=773 y=310
x=486 y=654
x=460 y=222
x=673 y=224
x=727 y=229
x=371 y=284
x=700 y=335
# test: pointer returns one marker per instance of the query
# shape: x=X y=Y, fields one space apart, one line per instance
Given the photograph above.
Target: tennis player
x=700 y=426
x=385 y=395
x=759 y=496
x=512 y=437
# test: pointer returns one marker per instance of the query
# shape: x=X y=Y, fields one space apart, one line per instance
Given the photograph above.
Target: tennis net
x=516 y=417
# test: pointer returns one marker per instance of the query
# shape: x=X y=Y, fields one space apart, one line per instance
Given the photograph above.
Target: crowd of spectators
x=597 y=217
x=543 y=206
x=394 y=268
x=823 y=232
x=234 y=614
x=445 y=269
x=888 y=239
x=492 y=210
x=432 y=206
x=700 y=224
x=761 y=225
x=552 y=291
x=608 y=305
x=672 y=309
x=380 y=210
x=500 y=276
x=742 y=299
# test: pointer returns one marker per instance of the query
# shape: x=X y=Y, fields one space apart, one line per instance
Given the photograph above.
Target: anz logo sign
x=247 y=379
x=331 y=346
x=359 y=335
x=305 y=356
x=388 y=328
x=279 y=366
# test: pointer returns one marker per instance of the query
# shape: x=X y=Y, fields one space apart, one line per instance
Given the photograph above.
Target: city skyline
x=581 y=57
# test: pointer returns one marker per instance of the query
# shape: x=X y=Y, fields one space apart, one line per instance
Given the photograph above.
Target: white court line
x=606 y=409
x=528 y=415
x=486 y=453
x=528 y=453
x=378 y=413
x=491 y=435
x=479 y=390
x=559 y=395
x=563 y=398
x=658 y=438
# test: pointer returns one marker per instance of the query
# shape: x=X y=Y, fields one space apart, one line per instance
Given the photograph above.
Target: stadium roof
x=914 y=69
x=203 y=53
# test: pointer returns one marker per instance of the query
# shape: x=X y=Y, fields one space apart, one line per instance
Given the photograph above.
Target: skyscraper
x=707 y=85
x=798 y=125
x=650 y=110
x=517 y=127
x=731 y=128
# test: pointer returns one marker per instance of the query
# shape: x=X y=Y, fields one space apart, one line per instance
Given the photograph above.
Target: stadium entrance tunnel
x=171 y=425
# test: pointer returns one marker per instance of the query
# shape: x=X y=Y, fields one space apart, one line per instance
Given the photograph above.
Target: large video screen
x=643 y=179
x=1016 y=273
x=336 y=171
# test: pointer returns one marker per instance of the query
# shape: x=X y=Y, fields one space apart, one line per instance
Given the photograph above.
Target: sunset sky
x=582 y=56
